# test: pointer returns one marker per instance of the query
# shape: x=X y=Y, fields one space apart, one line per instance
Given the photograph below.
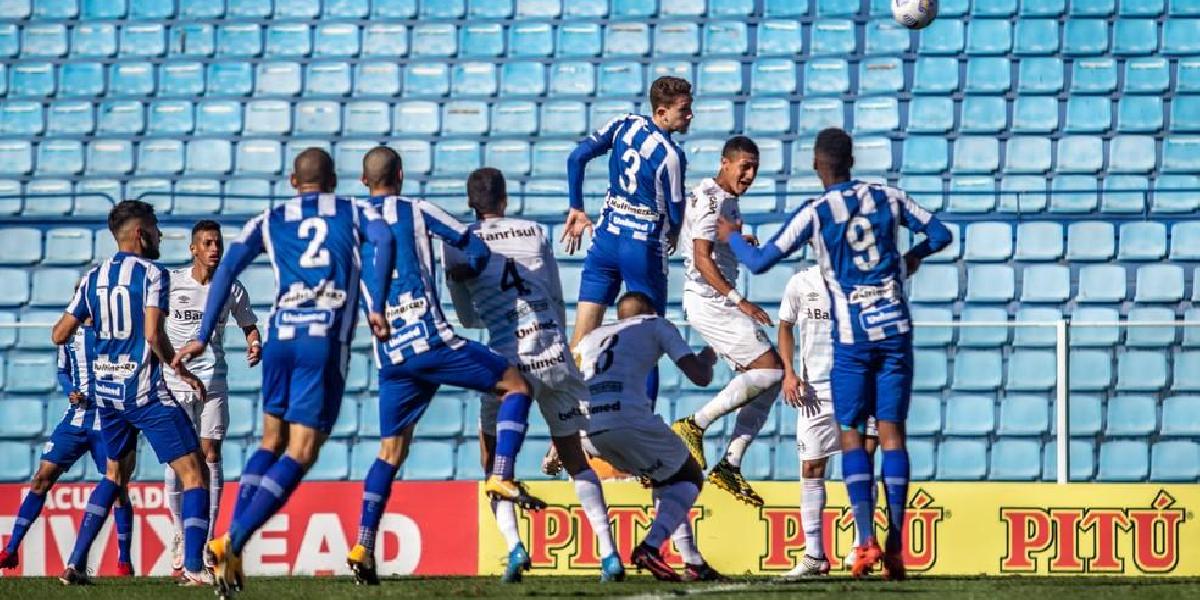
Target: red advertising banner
x=429 y=528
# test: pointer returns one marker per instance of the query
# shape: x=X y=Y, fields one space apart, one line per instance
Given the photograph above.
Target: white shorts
x=818 y=434
x=732 y=333
x=652 y=450
x=210 y=417
x=559 y=393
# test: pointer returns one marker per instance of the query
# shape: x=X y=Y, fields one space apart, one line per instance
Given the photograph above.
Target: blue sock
x=511 y=422
x=652 y=387
x=252 y=473
x=857 y=472
x=273 y=491
x=99 y=503
x=376 y=489
x=31 y=507
x=195 y=528
x=895 y=487
x=123 y=518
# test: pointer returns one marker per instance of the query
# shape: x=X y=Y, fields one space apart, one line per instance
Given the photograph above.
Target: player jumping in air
x=78 y=433
x=125 y=297
x=853 y=228
x=805 y=306
x=189 y=294
x=624 y=430
x=642 y=214
x=518 y=298
x=423 y=353
x=313 y=242
x=728 y=321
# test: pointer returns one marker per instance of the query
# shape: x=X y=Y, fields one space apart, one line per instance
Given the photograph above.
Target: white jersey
x=615 y=360
x=806 y=303
x=186 y=311
x=518 y=296
x=705 y=204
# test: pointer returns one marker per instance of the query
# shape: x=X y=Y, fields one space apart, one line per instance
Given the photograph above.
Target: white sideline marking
x=716 y=589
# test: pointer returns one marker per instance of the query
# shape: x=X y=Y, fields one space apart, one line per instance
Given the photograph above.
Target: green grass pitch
x=281 y=588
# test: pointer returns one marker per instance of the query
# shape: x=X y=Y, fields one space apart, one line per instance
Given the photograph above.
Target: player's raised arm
x=795 y=233
x=696 y=366
x=451 y=231
x=453 y=260
x=590 y=147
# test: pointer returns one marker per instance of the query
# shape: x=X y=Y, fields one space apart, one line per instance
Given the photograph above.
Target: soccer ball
x=914 y=14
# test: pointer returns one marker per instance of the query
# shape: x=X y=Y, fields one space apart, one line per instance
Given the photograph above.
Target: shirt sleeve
x=239 y=306
x=794 y=234
x=454 y=233
x=792 y=304
x=158 y=288
x=919 y=220
x=600 y=142
x=78 y=307
x=670 y=340
x=702 y=213
x=375 y=233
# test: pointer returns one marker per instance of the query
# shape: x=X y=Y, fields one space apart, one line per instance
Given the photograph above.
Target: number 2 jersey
x=854 y=228
x=615 y=360
x=646 y=171
x=517 y=296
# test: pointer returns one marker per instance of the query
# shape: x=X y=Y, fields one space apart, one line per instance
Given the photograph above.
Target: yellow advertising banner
x=952 y=529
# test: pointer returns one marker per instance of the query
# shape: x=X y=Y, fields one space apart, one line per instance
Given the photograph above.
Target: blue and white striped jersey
x=74 y=375
x=115 y=295
x=313 y=243
x=411 y=299
x=854 y=228
x=645 y=178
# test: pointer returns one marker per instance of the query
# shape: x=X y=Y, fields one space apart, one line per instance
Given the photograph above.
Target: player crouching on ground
x=624 y=430
x=728 y=322
x=518 y=298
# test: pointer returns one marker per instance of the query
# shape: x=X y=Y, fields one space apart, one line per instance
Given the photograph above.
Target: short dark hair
x=486 y=189
x=835 y=147
x=129 y=210
x=739 y=143
x=666 y=89
x=640 y=298
x=313 y=165
x=381 y=166
x=205 y=225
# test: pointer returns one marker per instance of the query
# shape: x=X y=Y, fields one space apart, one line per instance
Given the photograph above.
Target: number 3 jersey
x=615 y=360
x=517 y=296
x=186 y=311
x=115 y=295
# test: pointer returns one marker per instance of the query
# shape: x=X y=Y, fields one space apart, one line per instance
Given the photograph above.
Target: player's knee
x=393 y=450
x=690 y=472
x=212 y=454
x=44 y=478
x=570 y=452
x=813 y=469
x=188 y=471
x=513 y=382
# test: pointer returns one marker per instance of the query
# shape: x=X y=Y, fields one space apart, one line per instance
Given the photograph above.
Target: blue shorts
x=406 y=389
x=613 y=259
x=303 y=380
x=69 y=442
x=872 y=379
x=165 y=425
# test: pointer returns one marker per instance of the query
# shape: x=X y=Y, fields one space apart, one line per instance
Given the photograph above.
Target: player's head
x=487 y=194
x=671 y=101
x=833 y=154
x=135 y=227
x=207 y=245
x=632 y=304
x=739 y=164
x=312 y=171
x=383 y=170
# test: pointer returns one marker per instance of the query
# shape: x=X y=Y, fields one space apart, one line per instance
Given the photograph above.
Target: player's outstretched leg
x=31 y=507
x=751 y=418
x=857 y=471
x=98 y=505
x=740 y=391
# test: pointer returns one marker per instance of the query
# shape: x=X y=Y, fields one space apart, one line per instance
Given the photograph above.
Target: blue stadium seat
x=197 y=196
x=821 y=76
x=16 y=461
x=1046 y=283
x=1185 y=112
x=976 y=154
x=1082 y=459
x=1181 y=154
x=340 y=39
x=511 y=157
x=929 y=370
x=1022 y=414
x=37 y=79
x=533 y=8
x=1039 y=241
x=1167 y=200
x=1131 y=415
x=160 y=157
x=936 y=283
x=983 y=114
x=930 y=114
x=67 y=246
x=67 y=118
x=1036 y=337
x=1023 y=193
x=43 y=40
x=1073 y=193
x=258 y=157
x=28 y=372
x=1186 y=368
x=385 y=40
x=396 y=9
x=1089 y=371
x=768 y=76
x=1123 y=460
x=33 y=338
x=1095 y=335
x=1034 y=37
x=1159 y=283
x=784 y=8
x=927 y=335
x=971 y=194
x=926 y=190
x=426 y=79
x=943 y=36
x=989 y=36
x=23 y=246
x=1183 y=8
x=1094 y=76
x=1180 y=416
x=1015 y=460
x=962 y=459
x=288 y=40
x=1185 y=241
x=549 y=156
x=464 y=117
x=872 y=154
x=58 y=157
x=621 y=39
x=723 y=37
x=875 y=115
x=1152 y=75
x=1091 y=241
x=249 y=8
x=924 y=415
x=96 y=40
x=925 y=154
x=169 y=117
x=327 y=79
x=1142 y=241
x=1040 y=75
x=1124 y=194
x=439 y=39
x=270 y=117
x=712 y=116
x=988 y=242
x=109 y=156
x=1102 y=283
x=1092 y=8
x=1177 y=460
x=1034 y=114
x=131 y=79
x=376 y=79
x=367 y=118
x=417 y=117
x=563 y=118
x=935 y=75
x=1181 y=37
x=277 y=79
x=572 y=78
x=516 y=118
x=969 y=415
x=832 y=37
x=1141 y=114
x=977 y=370
x=487 y=39
x=418 y=156
x=783 y=37
x=333 y=464
x=1085 y=37
x=218 y=116
x=882 y=76
x=1135 y=37
x=1087 y=114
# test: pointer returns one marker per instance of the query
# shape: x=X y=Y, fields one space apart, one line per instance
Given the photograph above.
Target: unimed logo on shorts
x=562 y=536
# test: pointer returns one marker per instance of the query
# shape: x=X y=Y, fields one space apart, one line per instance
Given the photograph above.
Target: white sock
x=671 y=506
x=685 y=542
x=216 y=482
x=739 y=391
x=812 y=505
x=750 y=420
x=591 y=496
x=506 y=519
x=174 y=498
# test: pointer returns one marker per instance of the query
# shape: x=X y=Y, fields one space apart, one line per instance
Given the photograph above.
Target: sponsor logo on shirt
x=606 y=387
x=103 y=367
x=623 y=206
x=504 y=234
x=326 y=297
x=188 y=315
x=525 y=332
x=817 y=314
x=869 y=294
x=406 y=335
x=595 y=409
x=301 y=317
x=527 y=309
x=620 y=221
x=408 y=311
x=542 y=363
